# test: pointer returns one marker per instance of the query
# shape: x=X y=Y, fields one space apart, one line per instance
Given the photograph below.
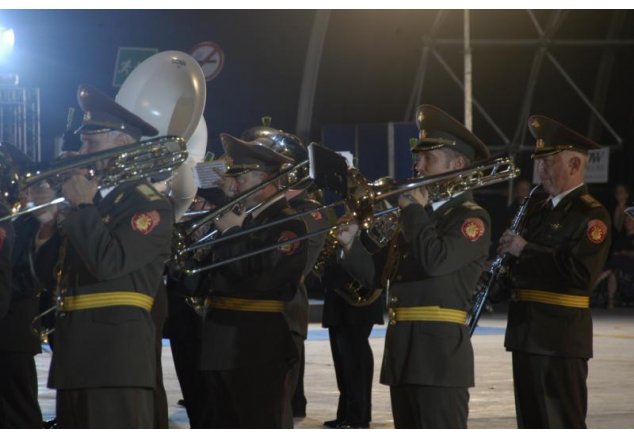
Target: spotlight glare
x=7 y=40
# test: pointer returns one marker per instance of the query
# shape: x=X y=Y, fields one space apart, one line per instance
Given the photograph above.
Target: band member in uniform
x=349 y=329
x=247 y=345
x=10 y=157
x=297 y=310
x=35 y=254
x=184 y=324
x=559 y=256
x=428 y=358
x=116 y=244
x=16 y=410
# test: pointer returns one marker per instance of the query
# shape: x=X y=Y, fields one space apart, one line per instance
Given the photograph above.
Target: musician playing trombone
x=117 y=240
x=247 y=344
x=299 y=196
x=443 y=244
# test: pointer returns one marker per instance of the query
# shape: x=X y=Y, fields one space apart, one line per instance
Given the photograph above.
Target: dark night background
x=366 y=75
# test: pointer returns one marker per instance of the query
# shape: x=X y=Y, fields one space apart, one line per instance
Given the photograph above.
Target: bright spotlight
x=7 y=40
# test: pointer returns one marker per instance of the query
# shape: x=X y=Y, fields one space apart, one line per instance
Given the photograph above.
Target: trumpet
x=112 y=167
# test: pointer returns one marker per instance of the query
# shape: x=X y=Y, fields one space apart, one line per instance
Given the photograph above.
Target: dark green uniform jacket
x=296 y=311
x=120 y=244
x=566 y=251
x=236 y=339
x=32 y=275
x=441 y=257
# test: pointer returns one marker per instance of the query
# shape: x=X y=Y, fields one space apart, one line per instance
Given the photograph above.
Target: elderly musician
x=247 y=345
x=428 y=358
x=116 y=242
x=557 y=259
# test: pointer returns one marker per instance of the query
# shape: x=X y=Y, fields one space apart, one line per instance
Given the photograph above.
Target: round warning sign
x=210 y=57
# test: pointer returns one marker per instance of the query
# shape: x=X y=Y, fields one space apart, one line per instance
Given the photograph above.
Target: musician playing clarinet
x=443 y=244
x=558 y=258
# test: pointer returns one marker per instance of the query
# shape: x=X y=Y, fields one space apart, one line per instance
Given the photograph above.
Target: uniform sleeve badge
x=3 y=235
x=145 y=222
x=597 y=231
x=290 y=248
x=473 y=228
x=316 y=215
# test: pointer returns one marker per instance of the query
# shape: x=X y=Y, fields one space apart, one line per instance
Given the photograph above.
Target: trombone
x=237 y=201
x=362 y=196
x=237 y=205
x=125 y=163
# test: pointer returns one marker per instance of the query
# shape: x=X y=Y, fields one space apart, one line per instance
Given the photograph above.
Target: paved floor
x=610 y=382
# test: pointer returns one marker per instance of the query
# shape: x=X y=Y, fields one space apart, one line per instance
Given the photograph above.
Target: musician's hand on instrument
x=79 y=190
x=346 y=234
x=417 y=195
x=422 y=196
x=511 y=243
x=200 y=232
x=229 y=219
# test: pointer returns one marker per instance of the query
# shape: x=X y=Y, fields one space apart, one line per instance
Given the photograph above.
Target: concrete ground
x=610 y=382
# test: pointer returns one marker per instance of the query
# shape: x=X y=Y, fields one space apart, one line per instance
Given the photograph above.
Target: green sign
x=127 y=60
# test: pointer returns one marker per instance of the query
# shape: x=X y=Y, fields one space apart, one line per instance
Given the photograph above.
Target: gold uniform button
x=393 y=299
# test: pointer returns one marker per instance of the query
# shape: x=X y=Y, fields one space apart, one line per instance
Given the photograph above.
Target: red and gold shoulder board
x=316 y=215
x=597 y=231
x=288 y=249
x=473 y=228
x=145 y=222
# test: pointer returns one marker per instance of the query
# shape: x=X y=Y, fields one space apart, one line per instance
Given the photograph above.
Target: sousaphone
x=168 y=90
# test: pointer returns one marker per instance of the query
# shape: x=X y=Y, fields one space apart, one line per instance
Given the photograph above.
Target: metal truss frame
x=543 y=43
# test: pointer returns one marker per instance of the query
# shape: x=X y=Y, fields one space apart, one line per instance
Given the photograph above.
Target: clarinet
x=490 y=276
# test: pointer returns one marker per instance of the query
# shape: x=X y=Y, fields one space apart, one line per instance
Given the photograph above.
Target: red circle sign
x=210 y=57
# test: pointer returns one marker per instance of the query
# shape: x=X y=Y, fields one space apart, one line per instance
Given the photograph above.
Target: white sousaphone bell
x=168 y=90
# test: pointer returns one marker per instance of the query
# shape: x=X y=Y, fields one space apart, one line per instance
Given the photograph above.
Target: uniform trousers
x=19 y=407
x=292 y=378
x=550 y=392
x=415 y=406
x=298 y=401
x=120 y=407
x=184 y=330
x=354 y=368
x=185 y=344
x=249 y=397
x=159 y=315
